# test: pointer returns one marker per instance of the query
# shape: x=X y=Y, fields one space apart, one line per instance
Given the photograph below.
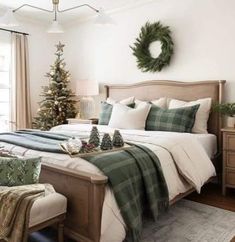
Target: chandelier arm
x=31 y=6
x=83 y=5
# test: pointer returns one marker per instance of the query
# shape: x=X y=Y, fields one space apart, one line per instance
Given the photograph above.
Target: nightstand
x=82 y=121
x=228 y=158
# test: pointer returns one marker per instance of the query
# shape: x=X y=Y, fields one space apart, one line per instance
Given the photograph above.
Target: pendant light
x=9 y=19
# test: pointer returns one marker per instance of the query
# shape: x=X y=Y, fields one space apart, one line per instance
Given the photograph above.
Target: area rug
x=186 y=221
x=189 y=221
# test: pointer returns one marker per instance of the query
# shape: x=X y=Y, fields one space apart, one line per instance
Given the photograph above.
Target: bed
x=89 y=201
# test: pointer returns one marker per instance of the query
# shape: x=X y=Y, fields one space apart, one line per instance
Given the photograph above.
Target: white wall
x=203 y=32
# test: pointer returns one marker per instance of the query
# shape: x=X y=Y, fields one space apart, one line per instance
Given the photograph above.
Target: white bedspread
x=184 y=161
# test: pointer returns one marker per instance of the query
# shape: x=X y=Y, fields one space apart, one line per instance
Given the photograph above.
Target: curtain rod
x=13 y=31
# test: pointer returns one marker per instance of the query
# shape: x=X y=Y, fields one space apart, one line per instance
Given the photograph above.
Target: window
x=5 y=84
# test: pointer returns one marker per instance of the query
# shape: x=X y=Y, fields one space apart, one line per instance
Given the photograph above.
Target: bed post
x=85 y=193
x=221 y=99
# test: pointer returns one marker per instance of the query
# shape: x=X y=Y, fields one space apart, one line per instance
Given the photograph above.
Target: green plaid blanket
x=136 y=178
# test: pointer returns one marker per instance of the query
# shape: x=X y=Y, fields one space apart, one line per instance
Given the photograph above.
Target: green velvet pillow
x=19 y=171
x=106 y=111
x=173 y=120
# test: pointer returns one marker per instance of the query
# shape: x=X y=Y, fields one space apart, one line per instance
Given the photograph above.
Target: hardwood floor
x=211 y=194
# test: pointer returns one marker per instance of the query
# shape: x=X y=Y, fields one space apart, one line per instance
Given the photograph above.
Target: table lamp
x=86 y=89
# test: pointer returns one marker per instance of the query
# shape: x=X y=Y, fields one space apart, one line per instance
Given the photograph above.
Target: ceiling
x=77 y=14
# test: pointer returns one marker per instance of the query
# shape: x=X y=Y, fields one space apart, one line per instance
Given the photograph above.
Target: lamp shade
x=8 y=19
x=103 y=18
x=87 y=88
x=55 y=28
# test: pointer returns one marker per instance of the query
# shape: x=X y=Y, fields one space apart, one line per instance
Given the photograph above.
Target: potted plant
x=227 y=109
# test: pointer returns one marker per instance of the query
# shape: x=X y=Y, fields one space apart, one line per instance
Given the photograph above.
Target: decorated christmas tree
x=94 y=137
x=117 y=139
x=58 y=103
x=106 y=143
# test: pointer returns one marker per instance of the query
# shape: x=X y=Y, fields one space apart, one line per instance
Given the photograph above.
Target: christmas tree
x=117 y=139
x=106 y=143
x=94 y=137
x=58 y=103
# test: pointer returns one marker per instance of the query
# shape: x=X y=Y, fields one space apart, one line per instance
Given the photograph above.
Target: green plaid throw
x=137 y=180
x=106 y=111
x=174 y=120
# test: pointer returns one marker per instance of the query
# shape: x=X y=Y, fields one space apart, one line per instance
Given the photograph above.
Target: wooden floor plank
x=211 y=194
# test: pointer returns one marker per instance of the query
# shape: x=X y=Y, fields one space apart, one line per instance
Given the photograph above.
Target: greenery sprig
x=151 y=33
x=227 y=109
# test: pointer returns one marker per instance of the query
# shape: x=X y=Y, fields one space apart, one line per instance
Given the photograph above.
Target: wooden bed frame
x=85 y=191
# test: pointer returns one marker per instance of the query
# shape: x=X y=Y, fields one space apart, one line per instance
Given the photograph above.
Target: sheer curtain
x=21 y=117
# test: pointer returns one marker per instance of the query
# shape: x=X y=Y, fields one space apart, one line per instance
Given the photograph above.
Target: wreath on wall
x=149 y=34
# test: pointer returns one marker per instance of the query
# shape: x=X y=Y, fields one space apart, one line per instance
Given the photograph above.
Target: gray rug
x=188 y=221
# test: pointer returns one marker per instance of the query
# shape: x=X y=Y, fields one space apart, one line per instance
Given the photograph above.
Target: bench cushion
x=46 y=208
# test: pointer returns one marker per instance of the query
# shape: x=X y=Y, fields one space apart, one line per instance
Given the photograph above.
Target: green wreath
x=149 y=34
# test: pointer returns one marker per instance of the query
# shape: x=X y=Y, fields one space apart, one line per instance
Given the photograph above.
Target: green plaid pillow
x=106 y=111
x=19 y=171
x=174 y=120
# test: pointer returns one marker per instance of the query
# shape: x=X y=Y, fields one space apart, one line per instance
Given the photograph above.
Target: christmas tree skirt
x=99 y=151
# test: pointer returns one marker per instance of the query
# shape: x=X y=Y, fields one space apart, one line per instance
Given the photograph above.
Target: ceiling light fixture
x=9 y=20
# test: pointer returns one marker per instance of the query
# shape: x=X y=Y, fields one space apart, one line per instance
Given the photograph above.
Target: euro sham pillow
x=202 y=116
x=125 y=101
x=16 y=171
x=172 y=120
x=107 y=107
x=124 y=117
x=161 y=102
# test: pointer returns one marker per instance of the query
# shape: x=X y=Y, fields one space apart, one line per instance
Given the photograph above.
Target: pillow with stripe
x=172 y=120
x=106 y=111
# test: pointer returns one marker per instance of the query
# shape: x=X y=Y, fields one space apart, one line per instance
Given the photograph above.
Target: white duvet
x=184 y=162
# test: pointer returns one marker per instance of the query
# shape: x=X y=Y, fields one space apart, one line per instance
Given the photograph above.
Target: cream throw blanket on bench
x=15 y=206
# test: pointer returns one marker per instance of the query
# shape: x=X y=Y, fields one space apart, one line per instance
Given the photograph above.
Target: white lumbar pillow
x=125 y=101
x=161 y=102
x=202 y=115
x=124 y=117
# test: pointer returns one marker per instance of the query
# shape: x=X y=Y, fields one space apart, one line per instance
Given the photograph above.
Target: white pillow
x=125 y=101
x=161 y=102
x=202 y=115
x=124 y=117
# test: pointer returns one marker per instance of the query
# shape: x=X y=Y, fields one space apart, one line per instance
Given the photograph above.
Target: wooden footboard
x=85 y=194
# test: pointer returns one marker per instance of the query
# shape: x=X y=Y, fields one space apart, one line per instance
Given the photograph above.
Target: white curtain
x=21 y=117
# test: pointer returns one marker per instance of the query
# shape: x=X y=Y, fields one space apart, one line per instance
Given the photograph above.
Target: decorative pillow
x=125 y=101
x=202 y=115
x=124 y=117
x=107 y=107
x=19 y=171
x=161 y=102
x=174 y=120
x=105 y=113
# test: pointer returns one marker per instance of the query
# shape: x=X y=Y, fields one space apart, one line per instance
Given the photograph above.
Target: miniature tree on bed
x=106 y=143
x=94 y=137
x=58 y=103
x=117 y=139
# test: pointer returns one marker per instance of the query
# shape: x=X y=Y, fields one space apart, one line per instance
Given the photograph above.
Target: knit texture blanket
x=15 y=206
x=36 y=140
x=136 y=178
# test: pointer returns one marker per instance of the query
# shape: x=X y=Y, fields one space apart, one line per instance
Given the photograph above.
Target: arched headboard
x=186 y=91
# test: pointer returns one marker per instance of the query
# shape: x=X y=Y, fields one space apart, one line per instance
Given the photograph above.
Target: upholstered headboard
x=186 y=91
